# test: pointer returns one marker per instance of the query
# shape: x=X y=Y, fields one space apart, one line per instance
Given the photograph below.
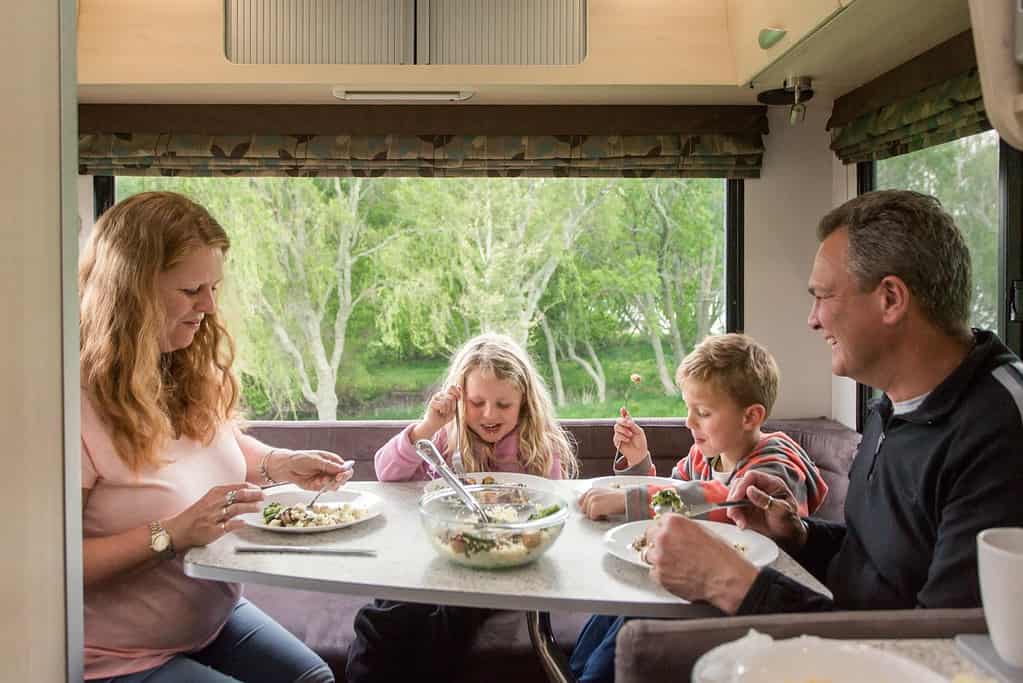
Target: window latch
x=1016 y=301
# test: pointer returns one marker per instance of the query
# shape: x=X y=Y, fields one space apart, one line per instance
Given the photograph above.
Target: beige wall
x=32 y=418
x=781 y=213
x=843 y=389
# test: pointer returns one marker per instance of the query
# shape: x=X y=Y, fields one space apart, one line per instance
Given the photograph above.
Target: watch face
x=161 y=542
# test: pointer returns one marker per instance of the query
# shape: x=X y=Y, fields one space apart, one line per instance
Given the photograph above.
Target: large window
x=347 y=296
x=963 y=175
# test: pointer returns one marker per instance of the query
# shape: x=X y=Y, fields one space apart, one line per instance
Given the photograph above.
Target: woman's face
x=491 y=405
x=188 y=293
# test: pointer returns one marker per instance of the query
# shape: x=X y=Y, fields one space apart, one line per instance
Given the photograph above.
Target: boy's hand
x=598 y=503
x=630 y=439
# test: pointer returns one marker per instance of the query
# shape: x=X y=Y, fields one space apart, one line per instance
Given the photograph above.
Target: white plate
x=807 y=658
x=624 y=481
x=368 y=501
x=530 y=480
x=758 y=549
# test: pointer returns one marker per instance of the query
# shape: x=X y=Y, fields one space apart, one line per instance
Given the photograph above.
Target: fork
x=318 y=494
x=456 y=454
x=701 y=509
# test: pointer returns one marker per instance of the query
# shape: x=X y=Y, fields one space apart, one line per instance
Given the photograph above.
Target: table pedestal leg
x=553 y=660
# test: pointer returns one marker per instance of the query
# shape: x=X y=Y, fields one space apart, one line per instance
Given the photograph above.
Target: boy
x=729 y=383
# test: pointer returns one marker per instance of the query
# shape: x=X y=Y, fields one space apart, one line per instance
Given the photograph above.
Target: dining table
x=576 y=574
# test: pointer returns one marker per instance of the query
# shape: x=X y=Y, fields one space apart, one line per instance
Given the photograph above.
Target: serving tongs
x=432 y=457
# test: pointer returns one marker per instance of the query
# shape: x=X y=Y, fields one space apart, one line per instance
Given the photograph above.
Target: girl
x=505 y=423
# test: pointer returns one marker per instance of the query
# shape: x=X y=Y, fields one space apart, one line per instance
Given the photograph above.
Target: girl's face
x=491 y=405
x=188 y=293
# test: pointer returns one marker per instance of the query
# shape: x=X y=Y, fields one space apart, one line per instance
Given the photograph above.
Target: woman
x=164 y=465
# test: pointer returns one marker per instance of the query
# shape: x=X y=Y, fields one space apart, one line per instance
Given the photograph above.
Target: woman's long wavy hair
x=541 y=436
x=146 y=397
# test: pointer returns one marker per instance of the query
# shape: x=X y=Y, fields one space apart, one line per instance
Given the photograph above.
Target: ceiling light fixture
x=795 y=92
x=401 y=95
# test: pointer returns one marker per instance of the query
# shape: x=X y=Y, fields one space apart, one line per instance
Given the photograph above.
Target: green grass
x=398 y=390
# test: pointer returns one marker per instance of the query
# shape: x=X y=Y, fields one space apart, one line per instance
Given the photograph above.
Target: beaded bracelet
x=263 y=467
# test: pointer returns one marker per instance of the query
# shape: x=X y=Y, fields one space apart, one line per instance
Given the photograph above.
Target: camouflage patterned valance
x=938 y=114
x=724 y=155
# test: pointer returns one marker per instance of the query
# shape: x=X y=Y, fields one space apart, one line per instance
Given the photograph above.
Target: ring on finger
x=223 y=526
x=770 y=502
x=232 y=495
x=224 y=512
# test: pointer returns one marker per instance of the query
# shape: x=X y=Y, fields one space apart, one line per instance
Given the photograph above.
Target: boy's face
x=491 y=405
x=718 y=423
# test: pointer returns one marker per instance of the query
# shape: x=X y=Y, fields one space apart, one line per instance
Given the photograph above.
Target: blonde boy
x=729 y=383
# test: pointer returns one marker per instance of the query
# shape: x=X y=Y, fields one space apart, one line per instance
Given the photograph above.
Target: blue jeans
x=593 y=657
x=251 y=648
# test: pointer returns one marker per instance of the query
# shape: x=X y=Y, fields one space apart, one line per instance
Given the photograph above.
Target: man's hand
x=774 y=510
x=696 y=564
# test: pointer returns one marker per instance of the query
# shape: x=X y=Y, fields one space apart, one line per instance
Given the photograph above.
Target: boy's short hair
x=736 y=365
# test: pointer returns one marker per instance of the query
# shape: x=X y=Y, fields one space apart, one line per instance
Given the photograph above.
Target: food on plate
x=300 y=515
x=668 y=499
x=639 y=543
x=740 y=547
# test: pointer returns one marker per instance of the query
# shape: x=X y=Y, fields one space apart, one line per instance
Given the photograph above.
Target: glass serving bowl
x=525 y=522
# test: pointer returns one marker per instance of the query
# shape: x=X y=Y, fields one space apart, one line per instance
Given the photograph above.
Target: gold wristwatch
x=160 y=541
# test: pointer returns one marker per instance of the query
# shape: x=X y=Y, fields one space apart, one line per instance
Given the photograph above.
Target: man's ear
x=894 y=298
x=754 y=416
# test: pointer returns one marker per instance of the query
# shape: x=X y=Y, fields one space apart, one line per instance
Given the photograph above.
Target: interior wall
x=781 y=210
x=33 y=635
x=843 y=389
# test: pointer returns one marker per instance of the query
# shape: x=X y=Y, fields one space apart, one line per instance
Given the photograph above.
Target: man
x=940 y=457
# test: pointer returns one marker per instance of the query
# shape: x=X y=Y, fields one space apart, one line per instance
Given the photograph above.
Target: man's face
x=849 y=319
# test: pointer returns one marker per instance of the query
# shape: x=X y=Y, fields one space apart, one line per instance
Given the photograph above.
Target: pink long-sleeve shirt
x=139 y=621
x=397 y=460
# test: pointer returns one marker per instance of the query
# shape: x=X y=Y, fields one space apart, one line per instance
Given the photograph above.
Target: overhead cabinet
x=480 y=32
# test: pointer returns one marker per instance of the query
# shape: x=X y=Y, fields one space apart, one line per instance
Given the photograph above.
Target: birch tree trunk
x=552 y=359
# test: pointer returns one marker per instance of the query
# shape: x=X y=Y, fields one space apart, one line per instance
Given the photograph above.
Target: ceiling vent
x=481 y=32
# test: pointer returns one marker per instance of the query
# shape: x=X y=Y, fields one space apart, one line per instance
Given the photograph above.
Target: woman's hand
x=213 y=515
x=630 y=439
x=312 y=470
x=439 y=411
x=774 y=510
x=598 y=503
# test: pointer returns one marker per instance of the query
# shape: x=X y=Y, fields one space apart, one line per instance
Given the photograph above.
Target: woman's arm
x=106 y=557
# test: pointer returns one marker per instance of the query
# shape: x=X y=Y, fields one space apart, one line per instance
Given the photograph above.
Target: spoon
x=429 y=453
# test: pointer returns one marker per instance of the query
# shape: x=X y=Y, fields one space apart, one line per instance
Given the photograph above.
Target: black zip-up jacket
x=921 y=487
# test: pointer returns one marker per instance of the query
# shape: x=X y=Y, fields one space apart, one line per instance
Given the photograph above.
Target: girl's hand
x=598 y=503
x=439 y=411
x=312 y=470
x=630 y=439
x=213 y=515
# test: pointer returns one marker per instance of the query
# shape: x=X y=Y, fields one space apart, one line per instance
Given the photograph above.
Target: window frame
x=1010 y=251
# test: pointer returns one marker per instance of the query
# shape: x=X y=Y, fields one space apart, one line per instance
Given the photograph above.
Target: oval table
x=576 y=574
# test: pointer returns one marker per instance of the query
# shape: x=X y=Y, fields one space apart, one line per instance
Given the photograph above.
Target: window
x=346 y=296
x=963 y=175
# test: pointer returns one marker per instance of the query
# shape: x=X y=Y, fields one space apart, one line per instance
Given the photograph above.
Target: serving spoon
x=431 y=456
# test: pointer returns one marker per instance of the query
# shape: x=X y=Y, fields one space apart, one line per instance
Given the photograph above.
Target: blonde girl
x=505 y=419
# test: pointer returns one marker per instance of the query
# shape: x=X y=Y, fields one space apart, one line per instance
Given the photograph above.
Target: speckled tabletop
x=576 y=574
x=941 y=655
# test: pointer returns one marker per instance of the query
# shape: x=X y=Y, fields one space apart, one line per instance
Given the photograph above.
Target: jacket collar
x=988 y=353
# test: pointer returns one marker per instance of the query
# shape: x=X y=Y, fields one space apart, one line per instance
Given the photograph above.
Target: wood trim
x=345 y=119
x=951 y=58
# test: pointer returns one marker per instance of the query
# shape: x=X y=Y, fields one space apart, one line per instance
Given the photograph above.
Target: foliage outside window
x=346 y=296
x=963 y=175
